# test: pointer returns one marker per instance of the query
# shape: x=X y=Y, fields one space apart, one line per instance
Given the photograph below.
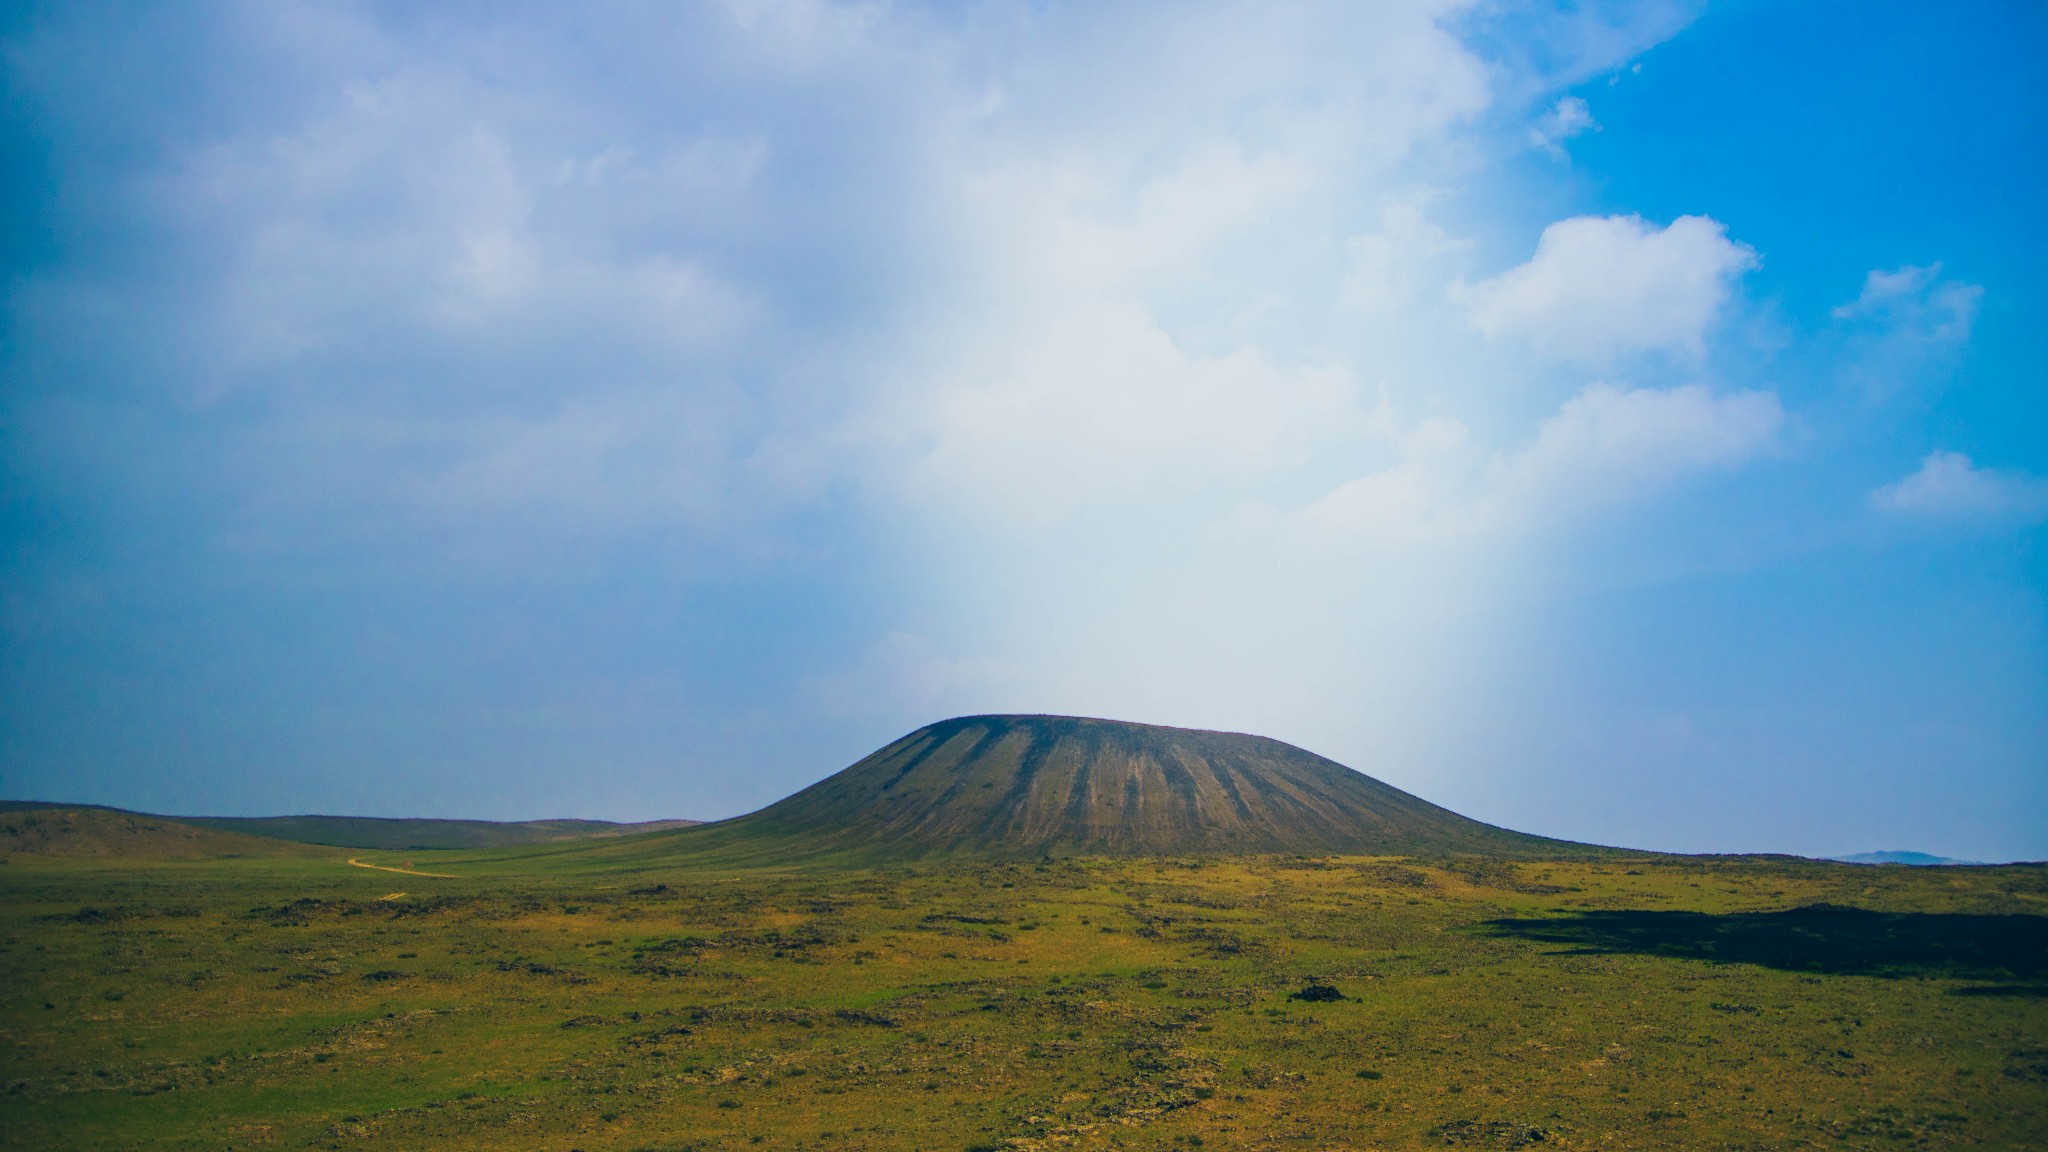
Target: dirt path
x=402 y=871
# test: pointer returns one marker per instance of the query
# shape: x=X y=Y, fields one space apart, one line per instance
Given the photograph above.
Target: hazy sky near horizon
x=1626 y=422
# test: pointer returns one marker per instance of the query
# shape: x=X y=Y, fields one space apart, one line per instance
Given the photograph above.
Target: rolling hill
x=415 y=834
x=378 y=831
x=105 y=833
x=1028 y=786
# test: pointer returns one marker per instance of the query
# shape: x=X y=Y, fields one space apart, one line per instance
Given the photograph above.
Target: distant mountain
x=1026 y=786
x=104 y=833
x=1914 y=858
x=381 y=832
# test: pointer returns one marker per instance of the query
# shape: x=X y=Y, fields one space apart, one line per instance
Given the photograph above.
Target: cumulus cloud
x=467 y=283
x=1569 y=117
x=1143 y=324
x=1600 y=286
x=1385 y=264
x=668 y=292
x=1949 y=485
x=1905 y=329
x=1606 y=446
x=1107 y=407
x=1915 y=302
x=1611 y=445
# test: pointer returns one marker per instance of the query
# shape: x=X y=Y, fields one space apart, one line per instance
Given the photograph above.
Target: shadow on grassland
x=1822 y=938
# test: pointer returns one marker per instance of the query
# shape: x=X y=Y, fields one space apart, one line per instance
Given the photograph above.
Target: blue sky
x=1623 y=422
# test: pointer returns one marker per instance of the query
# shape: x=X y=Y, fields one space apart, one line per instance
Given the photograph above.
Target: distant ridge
x=1917 y=859
x=421 y=834
x=384 y=832
x=1028 y=786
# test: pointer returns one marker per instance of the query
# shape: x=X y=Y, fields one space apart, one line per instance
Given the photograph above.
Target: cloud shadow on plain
x=1819 y=938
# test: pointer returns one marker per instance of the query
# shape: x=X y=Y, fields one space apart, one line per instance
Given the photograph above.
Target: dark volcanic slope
x=1029 y=785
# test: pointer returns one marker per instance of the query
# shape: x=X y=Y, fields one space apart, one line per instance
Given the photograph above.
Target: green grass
x=549 y=1000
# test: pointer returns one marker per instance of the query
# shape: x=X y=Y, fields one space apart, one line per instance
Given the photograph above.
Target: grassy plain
x=538 y=1000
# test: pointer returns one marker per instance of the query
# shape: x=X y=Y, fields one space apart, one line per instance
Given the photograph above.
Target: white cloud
x=1105 y=406
x=1144 y=252
x=1601 y=286
x=1904 y=331
x=1189 y=439
x=766 y=247
x=807 y=30
x=1608 y=445
x=1916 y=303
x=1385 y=264
x=598 y=463
x=905 y=675
x=1605 y=446
x=987 y=325
x=1948 y=485
x=1429 y=496
x=1569 y=117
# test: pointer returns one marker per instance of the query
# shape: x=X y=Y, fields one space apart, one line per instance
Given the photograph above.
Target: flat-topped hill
x=1062 y=785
